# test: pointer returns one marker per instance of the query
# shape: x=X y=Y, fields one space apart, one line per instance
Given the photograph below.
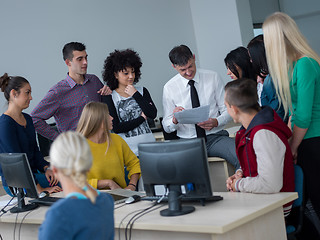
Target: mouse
x=43 y=194
x=133 y=199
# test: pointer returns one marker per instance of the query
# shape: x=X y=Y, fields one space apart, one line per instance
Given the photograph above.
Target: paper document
x=193 y=116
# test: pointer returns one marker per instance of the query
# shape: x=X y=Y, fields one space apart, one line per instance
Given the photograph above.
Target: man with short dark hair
x=261 y=144
x=66 y=99
x=177 y=96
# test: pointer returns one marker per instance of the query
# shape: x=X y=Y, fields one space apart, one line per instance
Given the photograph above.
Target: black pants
x=309 y=160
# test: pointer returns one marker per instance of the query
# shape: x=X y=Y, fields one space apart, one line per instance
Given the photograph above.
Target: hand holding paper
x=193 y=116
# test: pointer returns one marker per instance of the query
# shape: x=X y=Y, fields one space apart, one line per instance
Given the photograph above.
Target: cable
x=124 y=219
x=129 y=224
x=14 y=229
x=140 y=211
x=22 y=222
x=3 y=209
x=130 y=230
x=120 y=206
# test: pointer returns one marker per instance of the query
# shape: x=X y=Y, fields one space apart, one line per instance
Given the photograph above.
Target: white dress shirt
x=176 y=92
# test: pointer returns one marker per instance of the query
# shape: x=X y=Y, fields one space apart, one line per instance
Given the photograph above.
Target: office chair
x=298 y=204
x=45 y=143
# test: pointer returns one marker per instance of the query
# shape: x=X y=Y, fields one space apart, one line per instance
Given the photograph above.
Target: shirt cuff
x=236 y=186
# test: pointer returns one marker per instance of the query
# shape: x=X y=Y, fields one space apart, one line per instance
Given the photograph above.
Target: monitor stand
x=22 y=207
x=174 y=202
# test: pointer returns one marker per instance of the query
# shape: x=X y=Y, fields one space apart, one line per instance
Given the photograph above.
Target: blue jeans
x=41 y=179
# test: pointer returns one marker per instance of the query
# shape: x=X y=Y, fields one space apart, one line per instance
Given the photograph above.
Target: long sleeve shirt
x=270 y=152
x=176 y=92
x=65 y=102
x=305 y=96
x=109 y=162
x=79 y=219
x=145 y=103
x=127 y=119
x=15 y=138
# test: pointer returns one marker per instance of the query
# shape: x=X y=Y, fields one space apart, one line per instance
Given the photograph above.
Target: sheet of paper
x=193 y=116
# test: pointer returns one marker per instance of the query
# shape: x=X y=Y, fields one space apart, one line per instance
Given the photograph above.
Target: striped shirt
x=65 y=101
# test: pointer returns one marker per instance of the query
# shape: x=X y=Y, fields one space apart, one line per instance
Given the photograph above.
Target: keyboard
x=184 y=199
x=46 y=201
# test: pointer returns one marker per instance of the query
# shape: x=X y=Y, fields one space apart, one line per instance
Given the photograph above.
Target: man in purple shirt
x=66 y=99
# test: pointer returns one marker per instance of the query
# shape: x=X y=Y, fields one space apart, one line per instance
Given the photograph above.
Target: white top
x=176 y=92
x=128 y=109
x=259 y=91
x=270 y=152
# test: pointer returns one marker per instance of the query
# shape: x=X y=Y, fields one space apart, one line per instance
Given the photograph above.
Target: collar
x=264 y=116
x=196 y=79
x=72 y=83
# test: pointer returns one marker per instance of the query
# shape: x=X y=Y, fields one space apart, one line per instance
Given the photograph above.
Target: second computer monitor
x=181 y=166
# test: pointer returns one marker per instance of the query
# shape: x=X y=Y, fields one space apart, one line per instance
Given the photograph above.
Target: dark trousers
x=221 y=145
x=309 y=160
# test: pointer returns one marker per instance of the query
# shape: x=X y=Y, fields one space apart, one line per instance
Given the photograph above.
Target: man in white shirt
x=210 y=90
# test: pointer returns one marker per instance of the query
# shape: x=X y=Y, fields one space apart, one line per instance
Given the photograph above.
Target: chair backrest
x=45 y=143
x=298 y=180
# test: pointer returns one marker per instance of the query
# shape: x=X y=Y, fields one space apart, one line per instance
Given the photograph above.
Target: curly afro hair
x=118 y=61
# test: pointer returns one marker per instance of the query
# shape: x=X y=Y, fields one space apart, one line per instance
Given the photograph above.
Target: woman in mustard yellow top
x=110 y=152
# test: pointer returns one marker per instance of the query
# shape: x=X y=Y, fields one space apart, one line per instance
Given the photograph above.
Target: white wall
x=220 y=26
x=34 y=32
x=306 y=13
x=307 y=16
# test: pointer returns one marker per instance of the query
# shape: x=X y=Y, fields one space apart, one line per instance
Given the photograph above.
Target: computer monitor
x=17 y=173
x=179 y=165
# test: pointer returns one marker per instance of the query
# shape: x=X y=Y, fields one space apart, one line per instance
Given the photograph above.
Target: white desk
x=238 y=216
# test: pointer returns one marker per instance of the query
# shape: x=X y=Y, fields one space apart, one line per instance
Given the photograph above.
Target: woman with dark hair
x=260 y=68
x=130 y=106
x=17 y=134
x=238 y=64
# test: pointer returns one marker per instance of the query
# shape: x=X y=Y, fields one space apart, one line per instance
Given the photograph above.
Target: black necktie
x=196 y=103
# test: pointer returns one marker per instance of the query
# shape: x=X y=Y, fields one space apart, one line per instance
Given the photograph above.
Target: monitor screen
x=17 y=173
x=181 y=166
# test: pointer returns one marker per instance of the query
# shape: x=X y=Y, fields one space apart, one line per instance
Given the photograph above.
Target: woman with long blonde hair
x=111 y=154
x=84 y=213
x=295 y=70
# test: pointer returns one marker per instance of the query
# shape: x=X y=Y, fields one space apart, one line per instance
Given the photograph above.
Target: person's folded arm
x=120 y=127
x=146 y=104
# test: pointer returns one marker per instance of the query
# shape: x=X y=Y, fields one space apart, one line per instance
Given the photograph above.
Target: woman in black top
x=129 y=105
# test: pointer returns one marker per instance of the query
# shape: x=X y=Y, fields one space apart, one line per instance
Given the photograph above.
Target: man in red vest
x=261 y=144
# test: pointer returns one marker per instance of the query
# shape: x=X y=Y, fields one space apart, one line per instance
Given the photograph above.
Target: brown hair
x=7 y=83
x=242 y=93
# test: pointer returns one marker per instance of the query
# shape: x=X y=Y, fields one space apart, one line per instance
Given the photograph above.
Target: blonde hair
x=284 y=44
x=71 y=154
x=93 y=115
